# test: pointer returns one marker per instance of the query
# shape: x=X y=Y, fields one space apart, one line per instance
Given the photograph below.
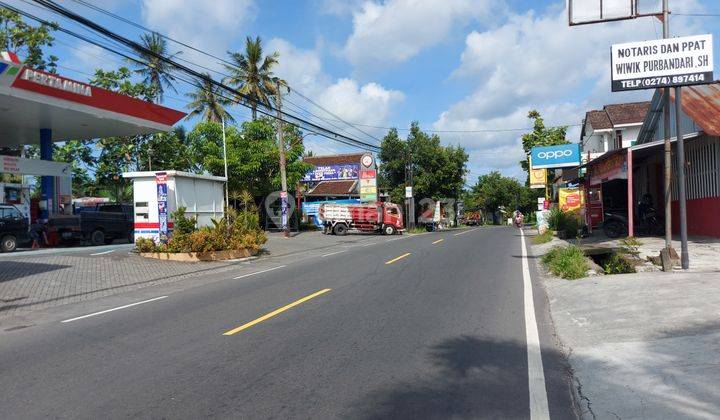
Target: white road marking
x=370 y=244
x=466 y=231
x=113 y=309
x=332 y=253
x=258 y=272
x=536 y=374
x=103 y=253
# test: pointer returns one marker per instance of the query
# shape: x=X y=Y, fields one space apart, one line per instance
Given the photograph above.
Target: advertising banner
x=560 y=156
x=570 y=199
x=161 y=182
x=368 y=176
x=538 y=178
x=332 y=172
x=663 y=62
x=614 y=167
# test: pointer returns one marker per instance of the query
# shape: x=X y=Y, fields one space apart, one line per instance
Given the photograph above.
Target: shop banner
x=560 y=156
x=162 y=192
x=658 y=63
x=332 y=173
x=570 y=199
x=614 y=167
x=538 y=178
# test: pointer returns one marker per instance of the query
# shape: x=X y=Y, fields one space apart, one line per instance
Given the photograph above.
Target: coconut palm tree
x=251 y=73
x=156 y=72
x=208 y=102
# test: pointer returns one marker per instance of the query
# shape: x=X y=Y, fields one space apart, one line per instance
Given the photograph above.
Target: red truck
x=338 y=219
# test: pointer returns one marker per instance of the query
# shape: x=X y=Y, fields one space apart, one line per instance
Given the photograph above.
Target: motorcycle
x=615 y=224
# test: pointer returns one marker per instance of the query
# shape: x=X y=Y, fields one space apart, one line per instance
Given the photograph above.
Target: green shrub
x=145 y=245
x=570 y=224
x=555 y=218
x=616 y=264
x=544 y=237
x=182 y=224
x=567 y=262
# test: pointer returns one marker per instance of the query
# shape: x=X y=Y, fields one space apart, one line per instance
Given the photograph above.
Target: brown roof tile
x=630 y=113
x=598 y=119
x=334 y=188
x=334 y=159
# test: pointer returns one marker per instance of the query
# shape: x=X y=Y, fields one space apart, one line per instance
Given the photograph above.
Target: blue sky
x=449 y=64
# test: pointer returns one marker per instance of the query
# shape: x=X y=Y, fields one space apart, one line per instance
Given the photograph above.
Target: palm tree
x=252 y=75
x=156 y=72
x=208 y=102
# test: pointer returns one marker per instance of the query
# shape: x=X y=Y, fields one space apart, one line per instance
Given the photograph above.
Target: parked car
x=13 y=228
x=104 y=224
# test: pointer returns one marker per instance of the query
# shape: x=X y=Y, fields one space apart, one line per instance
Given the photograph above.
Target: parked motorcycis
x=615 y=224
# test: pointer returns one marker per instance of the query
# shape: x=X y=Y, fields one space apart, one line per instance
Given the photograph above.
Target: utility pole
x=410 y=201
x=684 y=255
x=227 y=194
x=668 y=145
x=281 y=148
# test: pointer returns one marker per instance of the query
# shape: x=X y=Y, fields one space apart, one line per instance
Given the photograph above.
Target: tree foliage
x=541 y=136
x=493 y=191
x=157 y=74
x=252 y=73
x=438 y=170
x=27 y=41
x=252 y=154
x=208 y=103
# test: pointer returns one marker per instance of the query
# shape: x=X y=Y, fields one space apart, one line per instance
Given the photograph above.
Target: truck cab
x=13 y=228
x=392 y=218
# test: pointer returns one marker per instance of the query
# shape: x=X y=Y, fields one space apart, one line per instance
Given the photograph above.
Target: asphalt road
x=438 y=333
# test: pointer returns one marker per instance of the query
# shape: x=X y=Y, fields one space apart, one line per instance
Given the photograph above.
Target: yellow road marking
x=398 y=258
x=438 y=241
x=275 y=312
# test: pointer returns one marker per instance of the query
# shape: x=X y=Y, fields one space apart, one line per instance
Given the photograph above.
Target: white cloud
x=396 y=30
x=302 y=68
x=88 y=57
x=339 y=7
x=536 y=61
x=208 y=25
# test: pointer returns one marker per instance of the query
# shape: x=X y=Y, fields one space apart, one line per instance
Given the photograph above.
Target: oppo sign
x=560 y=156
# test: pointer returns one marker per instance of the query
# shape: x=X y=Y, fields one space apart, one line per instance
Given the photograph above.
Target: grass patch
x=567 y=262
x=416 y=230
x=543 y=238
x=616 y=264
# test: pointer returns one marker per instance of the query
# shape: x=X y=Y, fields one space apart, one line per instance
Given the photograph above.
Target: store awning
x=31 y=100
x=702 y=104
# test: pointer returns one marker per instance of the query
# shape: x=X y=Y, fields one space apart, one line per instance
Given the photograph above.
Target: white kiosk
x=201 y=195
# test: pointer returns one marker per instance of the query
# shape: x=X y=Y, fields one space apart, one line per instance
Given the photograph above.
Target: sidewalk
x=641 y=345
x=704 y=251
x=35 y=280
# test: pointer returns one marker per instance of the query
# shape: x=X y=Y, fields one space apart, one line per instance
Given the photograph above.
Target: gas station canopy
x=32 y=100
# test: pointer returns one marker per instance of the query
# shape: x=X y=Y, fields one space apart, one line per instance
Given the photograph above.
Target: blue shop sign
x=560 y=156
x=332 y=172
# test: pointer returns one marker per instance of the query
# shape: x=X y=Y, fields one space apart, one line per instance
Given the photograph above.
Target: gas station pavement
x=40 y=279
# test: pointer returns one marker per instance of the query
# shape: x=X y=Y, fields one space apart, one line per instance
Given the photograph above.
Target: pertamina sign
x=662 y=63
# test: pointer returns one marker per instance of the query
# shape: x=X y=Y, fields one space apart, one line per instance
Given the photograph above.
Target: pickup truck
x=13 y=228
x=99 y=226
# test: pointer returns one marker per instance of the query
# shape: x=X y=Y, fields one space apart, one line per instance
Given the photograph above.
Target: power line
x=698 y=14
x=139 y=48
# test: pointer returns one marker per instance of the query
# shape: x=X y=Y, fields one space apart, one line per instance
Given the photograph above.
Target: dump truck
x=339 y=219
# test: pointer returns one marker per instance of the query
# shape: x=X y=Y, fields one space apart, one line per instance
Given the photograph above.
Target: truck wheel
x=340 y=229
x=8 y=243
x=97 y=237
x=389 y=230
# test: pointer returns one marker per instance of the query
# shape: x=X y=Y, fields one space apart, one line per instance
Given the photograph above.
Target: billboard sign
x=560 y=156
x=368 y=179
x=162 y=202
x=661 y=63
x=332 y=173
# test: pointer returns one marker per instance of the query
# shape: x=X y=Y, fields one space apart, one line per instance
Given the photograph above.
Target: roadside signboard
x=332 y=173
x=368 y=179
x=161 y=182
x=570 y=199
x=560 y=156
x=538 y=177
x=408 y=192
x=661 y=63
